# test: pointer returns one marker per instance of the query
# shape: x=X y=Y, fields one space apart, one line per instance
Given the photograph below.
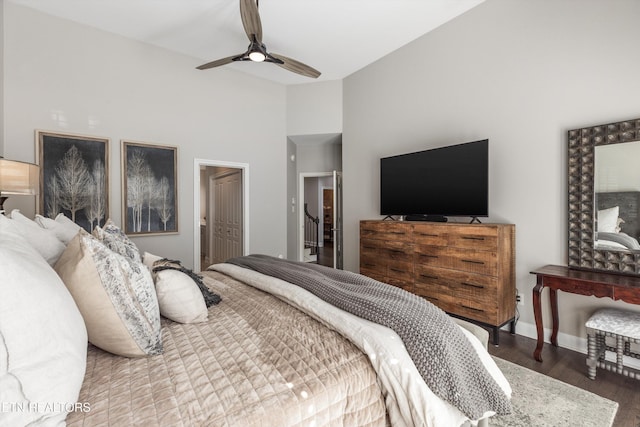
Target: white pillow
x=608 y=220
x=44 y=241
x=115 y=295
x=44 y=351
x=179 y=297
x=62 y=227
x=148 y=260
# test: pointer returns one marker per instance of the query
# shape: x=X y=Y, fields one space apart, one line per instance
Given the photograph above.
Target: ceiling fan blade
x=251 y=19
x=218 y=62
x=296 y=66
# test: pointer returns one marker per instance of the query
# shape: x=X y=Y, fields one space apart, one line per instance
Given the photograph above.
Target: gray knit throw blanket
x=443 y=355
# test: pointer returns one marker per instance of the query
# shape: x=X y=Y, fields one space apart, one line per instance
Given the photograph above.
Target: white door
x=337 y=220
x=225 y=196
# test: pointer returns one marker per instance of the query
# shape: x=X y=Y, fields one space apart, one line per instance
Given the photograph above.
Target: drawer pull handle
x=426 y=276
x=470 y=261
x=370 y=265
x=397 y=251
x=427 y=235
x=428 y=256
x=472 y=285
x=473 y=238
x=399 y=233
x=396 y=270
x=370 y=247
x=471 y=308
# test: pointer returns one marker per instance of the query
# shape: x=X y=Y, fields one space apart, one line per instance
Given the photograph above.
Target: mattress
x=257 y=361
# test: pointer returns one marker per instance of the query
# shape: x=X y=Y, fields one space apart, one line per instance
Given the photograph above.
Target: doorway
x=321 y=196
x=221 y=207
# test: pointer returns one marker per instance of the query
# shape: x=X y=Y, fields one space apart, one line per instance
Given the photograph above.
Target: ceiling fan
x=257 y=51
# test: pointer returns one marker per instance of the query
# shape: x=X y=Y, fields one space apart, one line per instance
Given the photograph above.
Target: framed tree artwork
x=74 y=177
x=149 y=188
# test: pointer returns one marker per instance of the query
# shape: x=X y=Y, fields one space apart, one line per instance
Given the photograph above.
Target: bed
x=268 y=354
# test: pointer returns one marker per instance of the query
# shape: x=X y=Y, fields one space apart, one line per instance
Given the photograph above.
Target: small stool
x=624 y=327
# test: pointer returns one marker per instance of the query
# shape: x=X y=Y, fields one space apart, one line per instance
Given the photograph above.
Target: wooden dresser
x=468 y=270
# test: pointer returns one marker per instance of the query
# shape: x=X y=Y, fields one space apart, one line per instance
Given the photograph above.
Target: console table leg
x=553 y=297
x=537 y=314
x=512 y=328
x=496 y=336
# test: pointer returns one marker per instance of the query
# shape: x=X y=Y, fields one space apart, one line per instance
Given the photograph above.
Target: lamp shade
x=18 y=177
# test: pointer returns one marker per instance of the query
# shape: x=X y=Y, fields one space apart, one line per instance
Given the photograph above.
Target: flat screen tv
x=441 y=182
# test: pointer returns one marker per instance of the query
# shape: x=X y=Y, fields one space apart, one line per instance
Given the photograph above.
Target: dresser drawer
x=407 y=285
x=373 y=274
x=380 y=230
x=466 y=285
x=480 y=311
x=441 y=301
x=431 y=235
x=391 y=252
x=371 y=264
x=476 y=237
x=431 y=290
x=401 y=270
x=472 y=261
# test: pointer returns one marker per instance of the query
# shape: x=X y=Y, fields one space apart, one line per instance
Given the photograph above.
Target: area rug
x=542 y=401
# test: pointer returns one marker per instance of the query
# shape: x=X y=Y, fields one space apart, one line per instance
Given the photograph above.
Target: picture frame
x=74 y=177
x=149 y=188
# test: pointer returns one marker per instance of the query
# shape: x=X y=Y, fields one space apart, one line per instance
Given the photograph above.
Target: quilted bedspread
x=409 y=400
x=257 y=361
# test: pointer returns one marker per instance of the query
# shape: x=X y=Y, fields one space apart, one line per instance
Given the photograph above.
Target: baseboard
x=567 y=341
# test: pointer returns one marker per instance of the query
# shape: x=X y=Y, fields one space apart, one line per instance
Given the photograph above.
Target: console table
x=581 y=282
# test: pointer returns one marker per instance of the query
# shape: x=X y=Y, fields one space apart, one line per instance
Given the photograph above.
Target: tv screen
x=447 y=181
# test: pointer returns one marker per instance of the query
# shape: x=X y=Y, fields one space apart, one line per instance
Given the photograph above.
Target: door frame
x=244 y=167
x=300 y=227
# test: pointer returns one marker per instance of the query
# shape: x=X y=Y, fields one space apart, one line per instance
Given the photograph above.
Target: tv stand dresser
x=468 y=270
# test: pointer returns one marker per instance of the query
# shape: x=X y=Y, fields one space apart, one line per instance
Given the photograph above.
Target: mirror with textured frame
x=604 y=197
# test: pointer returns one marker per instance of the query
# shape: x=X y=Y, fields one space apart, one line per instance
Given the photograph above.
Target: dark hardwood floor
x=569 y=366
x=325 y=254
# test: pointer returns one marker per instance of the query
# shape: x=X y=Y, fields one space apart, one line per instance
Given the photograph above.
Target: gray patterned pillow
x=115 y=239
x=115 y=295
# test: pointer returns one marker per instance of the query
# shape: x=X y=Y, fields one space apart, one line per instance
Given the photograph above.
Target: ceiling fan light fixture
x=257 y=56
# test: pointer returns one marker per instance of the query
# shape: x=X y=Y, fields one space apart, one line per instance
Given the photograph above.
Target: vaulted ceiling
x=337 y=37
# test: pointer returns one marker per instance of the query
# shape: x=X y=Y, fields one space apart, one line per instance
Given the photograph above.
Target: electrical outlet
x=519 y=300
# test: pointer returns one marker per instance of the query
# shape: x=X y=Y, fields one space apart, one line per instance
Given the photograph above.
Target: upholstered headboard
x=629 y=203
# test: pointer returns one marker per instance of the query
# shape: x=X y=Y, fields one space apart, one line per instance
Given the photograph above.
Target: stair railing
x=311 y=230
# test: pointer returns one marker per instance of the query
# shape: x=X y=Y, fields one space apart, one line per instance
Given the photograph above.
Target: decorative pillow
x=115 y=295
x=43 y=340
x=44 y=241
x=608 y=219
x=115 y=239
x=62 y=227
x=179 y=296
x=210 y=298
x=148 y=260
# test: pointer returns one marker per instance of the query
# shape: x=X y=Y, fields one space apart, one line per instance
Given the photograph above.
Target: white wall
x=314 y=108
x=67 y=77
x=521 y=73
